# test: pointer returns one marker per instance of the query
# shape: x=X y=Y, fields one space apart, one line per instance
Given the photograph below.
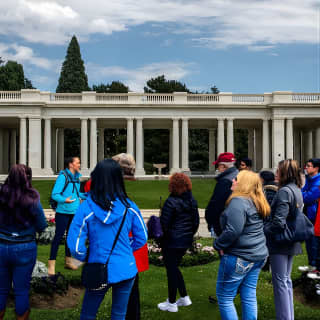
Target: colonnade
x=41 y=143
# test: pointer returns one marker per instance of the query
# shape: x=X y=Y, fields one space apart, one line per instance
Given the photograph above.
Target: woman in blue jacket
x=98 y=219
x=21 y=216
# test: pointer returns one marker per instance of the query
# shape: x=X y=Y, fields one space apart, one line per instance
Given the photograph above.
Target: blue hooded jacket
x=100 y=227
x=74 y=183
x=311 y=195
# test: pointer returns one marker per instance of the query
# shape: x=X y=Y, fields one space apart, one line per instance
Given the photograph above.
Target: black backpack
x=53 y=203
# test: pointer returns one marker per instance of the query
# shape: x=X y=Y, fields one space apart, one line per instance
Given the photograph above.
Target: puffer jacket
x=100 y=227
x=311 y=195
x=242 y=231
x=270 y=189
x=179 y=220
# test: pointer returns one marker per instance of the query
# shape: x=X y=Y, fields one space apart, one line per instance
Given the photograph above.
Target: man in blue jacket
x=66 y=192
x=311 y=195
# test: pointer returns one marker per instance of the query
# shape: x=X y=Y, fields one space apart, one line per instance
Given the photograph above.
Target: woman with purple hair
x=21 y=216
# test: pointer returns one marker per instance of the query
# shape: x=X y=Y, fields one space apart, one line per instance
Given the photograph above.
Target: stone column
x=175 y=146
x=47 y=146
x=13 y=147
x=309 y=144
x=60 y=149
x=220 y=138
x=317 y=143
x=5 y=151
x=54 y=149
x=212 y=149
x=101 y=144
x=230 y=136
x=297 y=146
x=84 y=145
x=93 y=142
x=170 y=148
x=278 y=147
x=1 y=151
x=35 y=145
x=185 y=145
x=130 y=136
x=251 y=145
x=23 y=141
x=289 y=139
x=258 y=148
x=139 y=147
x=265 y=144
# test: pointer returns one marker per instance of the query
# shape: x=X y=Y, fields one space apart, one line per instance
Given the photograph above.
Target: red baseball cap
x=225 y=157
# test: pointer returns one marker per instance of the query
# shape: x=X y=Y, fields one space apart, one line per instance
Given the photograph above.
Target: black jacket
x=221 y=193
x=179 y=220
x=270 y=189
x=283 y=205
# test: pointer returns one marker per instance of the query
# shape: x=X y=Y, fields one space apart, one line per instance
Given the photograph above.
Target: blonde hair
x=249 y=186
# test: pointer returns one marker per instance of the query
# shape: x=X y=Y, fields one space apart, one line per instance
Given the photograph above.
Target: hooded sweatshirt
x=100 y=228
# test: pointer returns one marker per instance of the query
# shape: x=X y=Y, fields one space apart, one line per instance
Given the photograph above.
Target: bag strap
x=118 y=234
x=66 y=182
x=295 y=198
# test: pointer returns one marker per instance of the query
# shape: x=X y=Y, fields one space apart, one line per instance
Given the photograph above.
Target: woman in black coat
x=180 y=221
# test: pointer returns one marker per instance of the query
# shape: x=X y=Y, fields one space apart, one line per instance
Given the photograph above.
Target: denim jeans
x=312 y=250
x=236 y=274
x=120 y=296
x=16 y=265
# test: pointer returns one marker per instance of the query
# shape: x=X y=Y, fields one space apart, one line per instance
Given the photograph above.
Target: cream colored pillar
x=60 y=149
x=265 y=144
x=212 y=149
x=185 y=145
x=175 y=146
x=84 y=144
x=258 y=148
x=101 y=144
x=297 y=146
x=35 y=145
x=13 y=147
x=309 y=145
x=6 y=150
x=93 y=143
x=23 y=141
x=47 y=146
x=54 y=149
x=139 y=147
x=278 y=146
x=289 y=139
x=130 y=136
x=230 y=136
x=220 y=137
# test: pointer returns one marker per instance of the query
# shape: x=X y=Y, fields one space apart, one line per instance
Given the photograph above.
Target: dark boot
x=2 y=314
x=25 y=316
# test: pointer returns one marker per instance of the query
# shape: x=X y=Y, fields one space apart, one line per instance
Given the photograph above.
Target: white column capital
x=84 y=118
x=175 y=118
x=185 y=119
x=230 y=119
x=46 y=118
x=221 y=118
x=139 y=118
x=93 y=118
x=129 y=118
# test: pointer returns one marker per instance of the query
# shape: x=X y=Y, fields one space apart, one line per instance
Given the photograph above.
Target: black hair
x=69 y=160
x=267 y=176
x=107 y=184
x=315 y=162
x=247 y=161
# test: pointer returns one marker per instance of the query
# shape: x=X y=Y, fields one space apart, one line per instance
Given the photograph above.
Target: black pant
x=133 y=308
x=63 y=221
x=172 y=258
x=318 y=254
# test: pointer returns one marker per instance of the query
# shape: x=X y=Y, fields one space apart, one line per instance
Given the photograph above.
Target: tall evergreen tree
x=161 y=85
x=113 y=87
x=73 y=78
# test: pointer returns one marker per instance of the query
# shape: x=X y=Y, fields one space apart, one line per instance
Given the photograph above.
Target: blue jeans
x=120 y=296
x=16 y=265
x=236 y=274
x=312 y=250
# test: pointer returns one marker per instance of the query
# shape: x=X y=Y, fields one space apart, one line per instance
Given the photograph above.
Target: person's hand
x=221 y=253
x=69 y=200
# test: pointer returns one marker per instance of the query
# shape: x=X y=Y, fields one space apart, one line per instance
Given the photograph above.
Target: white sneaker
x=314 y=275
x=167 y=306
x=306 y=268
x=184 y=301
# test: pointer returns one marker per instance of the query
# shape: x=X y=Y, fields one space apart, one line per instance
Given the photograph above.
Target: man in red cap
x=228 y=172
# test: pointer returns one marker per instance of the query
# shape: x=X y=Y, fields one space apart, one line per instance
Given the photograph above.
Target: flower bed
x=197 y=255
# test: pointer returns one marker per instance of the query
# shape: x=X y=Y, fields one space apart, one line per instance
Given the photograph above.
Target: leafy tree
x=113 y=87
x=73 y=78
x=161 y=85
x=12 y=76
x=215 y=90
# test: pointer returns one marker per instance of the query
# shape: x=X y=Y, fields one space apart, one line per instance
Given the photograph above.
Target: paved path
x=146 y=213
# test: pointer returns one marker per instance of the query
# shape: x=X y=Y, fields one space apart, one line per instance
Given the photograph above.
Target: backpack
x=53 y=203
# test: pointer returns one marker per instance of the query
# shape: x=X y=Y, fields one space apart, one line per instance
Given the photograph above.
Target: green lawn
x=145 y=193
x=200 y=283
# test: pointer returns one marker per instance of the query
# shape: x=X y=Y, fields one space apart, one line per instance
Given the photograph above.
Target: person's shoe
x=69 y=264
x=315 y=275
x=51 y=267
x=306 y=268
x=25 y=316
x=184 y=301
x=167 y=306
x=2 y=314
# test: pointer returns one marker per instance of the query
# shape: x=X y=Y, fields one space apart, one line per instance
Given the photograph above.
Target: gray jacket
x=242 y=231
x=282 y=206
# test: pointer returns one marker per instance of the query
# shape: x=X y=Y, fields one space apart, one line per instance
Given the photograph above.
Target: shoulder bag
x=95 y=275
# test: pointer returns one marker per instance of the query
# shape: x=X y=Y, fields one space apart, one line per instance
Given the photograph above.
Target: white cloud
x=218 y=23
x=136 y=78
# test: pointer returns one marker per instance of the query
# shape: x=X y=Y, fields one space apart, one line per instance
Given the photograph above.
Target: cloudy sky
x=243 y=46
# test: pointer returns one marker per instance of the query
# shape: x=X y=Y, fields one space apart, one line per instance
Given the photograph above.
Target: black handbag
x=298 y=227
x=94 y=275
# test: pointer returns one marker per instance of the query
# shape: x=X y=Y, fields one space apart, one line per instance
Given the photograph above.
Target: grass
x=200 y=283
x=145 y=193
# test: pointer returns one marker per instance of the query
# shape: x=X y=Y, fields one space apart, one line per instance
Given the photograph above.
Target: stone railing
x=177 y=98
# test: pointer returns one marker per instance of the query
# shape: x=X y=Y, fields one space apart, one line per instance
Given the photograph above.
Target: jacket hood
x=230 y=173
x=187 y=202
x=107 y=217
